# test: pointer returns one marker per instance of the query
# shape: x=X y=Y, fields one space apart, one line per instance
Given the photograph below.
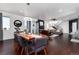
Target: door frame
x=70 y=24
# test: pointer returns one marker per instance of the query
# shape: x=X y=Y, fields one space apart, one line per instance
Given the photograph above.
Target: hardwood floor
x=6 y=47
x=60 y=45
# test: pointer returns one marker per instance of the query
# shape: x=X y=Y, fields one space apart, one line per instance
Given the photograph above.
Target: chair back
x=21 y=41
x=40 y=42
x=15 y=37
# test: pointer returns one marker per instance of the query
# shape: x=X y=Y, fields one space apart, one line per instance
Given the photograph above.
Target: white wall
x=65 y=26
x=33 y=21
x=8 y=34
x=46 y=24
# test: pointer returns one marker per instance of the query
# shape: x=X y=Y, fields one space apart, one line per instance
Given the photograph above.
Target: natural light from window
x=6 y=23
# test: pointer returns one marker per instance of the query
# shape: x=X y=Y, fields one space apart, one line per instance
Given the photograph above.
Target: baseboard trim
x=7 y=39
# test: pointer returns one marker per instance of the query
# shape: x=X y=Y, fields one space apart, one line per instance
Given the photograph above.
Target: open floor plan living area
x=39 y=28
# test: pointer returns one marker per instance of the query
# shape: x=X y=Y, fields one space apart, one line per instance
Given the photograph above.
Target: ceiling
x=41 y=10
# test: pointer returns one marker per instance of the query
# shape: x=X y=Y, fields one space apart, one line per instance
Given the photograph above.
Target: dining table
x=32 y=36
x=33 y=39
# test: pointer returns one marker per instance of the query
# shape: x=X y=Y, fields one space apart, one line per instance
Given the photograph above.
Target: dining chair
x=15 y=37
x=47 y=33
x=33 y=46
x=38 y=45
x=23 y=44
x=16 y=43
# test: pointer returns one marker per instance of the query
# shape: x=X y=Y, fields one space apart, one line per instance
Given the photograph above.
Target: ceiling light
x=60 y=10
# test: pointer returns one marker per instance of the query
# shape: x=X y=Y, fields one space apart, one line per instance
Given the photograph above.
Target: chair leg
x=18 y=48
x=35 y=53
x=15 y=45
x=22 y=51
x=26 y=49
x=45 y=51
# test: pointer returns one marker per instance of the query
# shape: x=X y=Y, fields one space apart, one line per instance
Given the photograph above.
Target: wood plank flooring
x=59 y=45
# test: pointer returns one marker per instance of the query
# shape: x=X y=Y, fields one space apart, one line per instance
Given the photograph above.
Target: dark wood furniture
x=49 y=33
x=40 y=24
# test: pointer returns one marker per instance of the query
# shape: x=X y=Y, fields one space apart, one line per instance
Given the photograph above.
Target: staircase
x=57 y=25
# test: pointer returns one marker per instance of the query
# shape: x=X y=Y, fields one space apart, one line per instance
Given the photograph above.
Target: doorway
x=73 y=26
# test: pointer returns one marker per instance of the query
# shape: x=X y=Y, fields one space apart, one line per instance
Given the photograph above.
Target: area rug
x=75 y=40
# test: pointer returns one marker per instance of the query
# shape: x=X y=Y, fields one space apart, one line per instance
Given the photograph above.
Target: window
x=6 y=23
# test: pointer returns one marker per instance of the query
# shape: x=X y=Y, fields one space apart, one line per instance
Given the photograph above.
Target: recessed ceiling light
x=60 y=10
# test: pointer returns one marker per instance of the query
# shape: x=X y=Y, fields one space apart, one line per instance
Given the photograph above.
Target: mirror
x=17 y=23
